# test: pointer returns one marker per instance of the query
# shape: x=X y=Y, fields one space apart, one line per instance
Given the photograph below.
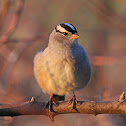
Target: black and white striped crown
x=64 y=27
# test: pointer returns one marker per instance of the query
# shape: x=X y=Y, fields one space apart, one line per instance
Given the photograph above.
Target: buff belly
x=58 y=77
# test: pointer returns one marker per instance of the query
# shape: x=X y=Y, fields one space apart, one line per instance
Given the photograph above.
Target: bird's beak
x=75 y=36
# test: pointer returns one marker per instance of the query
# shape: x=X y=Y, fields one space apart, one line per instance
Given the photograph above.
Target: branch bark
x=34 y=107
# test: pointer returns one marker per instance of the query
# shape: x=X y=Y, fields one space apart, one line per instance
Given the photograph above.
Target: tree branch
x=14 y=57
x=34 y=107
x=106 y=15
x=13 y=24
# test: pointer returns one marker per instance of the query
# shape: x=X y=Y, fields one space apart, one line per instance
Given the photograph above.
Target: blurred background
x=25 y=26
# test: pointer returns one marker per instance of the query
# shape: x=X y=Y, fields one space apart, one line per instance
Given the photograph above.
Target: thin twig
x=106 y=15
x=14 y=57
x=13 y=24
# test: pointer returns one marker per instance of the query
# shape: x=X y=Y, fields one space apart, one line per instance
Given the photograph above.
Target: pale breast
x=60 y=72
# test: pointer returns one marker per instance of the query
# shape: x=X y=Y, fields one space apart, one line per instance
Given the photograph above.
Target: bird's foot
x=56 y=103
x=51 y=103
x=73 y=101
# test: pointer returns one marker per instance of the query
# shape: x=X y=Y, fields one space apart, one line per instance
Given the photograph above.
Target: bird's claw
x=50 y=103
x=73 y=101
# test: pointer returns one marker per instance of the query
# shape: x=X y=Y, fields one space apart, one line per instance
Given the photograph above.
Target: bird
x=63 y=67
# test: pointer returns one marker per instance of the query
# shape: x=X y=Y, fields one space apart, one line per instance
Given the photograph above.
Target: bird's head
x=64 y=33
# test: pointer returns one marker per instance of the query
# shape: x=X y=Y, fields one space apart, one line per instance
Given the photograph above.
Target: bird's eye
x=65 y=33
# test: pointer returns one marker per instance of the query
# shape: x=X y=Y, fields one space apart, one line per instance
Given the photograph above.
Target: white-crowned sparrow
x=63 y=66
